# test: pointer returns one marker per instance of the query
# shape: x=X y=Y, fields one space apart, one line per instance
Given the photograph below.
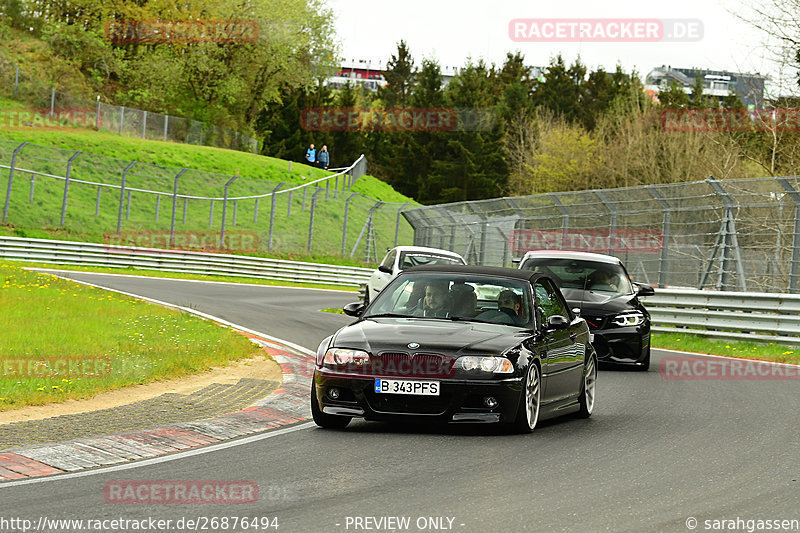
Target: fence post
x=121 y=118
x=794 y=271
x=235 y=210
x=11 y=179
x=66 y=186
x=397 y=223
x=327 y=186
x=97 y=202
x=185 y=209
x=121 y=196
x=211 y=215
x=289 y=207
x=144 y=124
x=344 y=226
x=128 y=206
x=97 y=114
x=255 y=212
x=158 y=205
x=272 y=215
x=311 y=219
x=33 y=184
x=225 y=211
x=166 y=124
x=52 y=101
x=665 y=234
x=175 y=207
x=16 y=82
x=305 y=190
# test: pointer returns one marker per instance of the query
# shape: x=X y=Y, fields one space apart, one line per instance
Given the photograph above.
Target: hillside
x=106 y=156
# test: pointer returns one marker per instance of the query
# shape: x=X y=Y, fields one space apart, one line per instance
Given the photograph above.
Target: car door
x=379 y=279
x=561 y=360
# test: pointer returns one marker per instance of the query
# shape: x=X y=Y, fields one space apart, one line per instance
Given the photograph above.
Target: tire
x=589 y=387
x=529 y=401
x=324 y=420
x=645 y=366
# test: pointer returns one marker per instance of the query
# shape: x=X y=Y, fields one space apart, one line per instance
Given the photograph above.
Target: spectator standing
x=311 y=155
x=323 y=158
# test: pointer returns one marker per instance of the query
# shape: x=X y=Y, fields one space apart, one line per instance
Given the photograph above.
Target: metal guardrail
x=113 y=256
x=742 y=316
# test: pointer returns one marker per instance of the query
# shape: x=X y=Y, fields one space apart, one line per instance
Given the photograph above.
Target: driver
x=436 y=300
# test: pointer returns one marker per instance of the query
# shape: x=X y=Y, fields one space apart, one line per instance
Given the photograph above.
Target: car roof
x=567 y=254
x=500 y=272
x=425 y=249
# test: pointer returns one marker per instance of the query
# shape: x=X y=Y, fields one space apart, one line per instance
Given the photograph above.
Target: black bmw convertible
x=458 y=344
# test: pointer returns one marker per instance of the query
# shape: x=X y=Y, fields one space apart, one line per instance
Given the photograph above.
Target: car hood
x=599 y=303
x=433 y=336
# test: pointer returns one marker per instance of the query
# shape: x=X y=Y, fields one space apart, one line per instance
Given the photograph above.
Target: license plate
x=407 y=386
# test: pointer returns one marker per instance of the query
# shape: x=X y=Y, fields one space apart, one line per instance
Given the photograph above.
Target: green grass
x=695 y=343
x=123 y=341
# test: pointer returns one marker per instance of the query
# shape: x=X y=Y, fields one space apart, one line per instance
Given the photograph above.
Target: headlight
x=345 y=356
x=634 y=318
x=497 y=365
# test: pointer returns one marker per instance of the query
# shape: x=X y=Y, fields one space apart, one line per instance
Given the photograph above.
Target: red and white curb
x=286 y=405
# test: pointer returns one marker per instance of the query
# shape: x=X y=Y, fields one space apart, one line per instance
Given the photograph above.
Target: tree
x=563 y=89
x=399 y=75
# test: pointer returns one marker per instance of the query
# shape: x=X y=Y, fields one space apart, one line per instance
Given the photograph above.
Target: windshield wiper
x=388 y=315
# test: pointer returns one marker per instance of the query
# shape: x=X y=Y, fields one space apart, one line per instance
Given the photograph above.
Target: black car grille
x=404 y=403
x=406 y=365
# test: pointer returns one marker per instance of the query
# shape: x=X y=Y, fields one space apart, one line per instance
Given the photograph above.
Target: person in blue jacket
x=311 y=155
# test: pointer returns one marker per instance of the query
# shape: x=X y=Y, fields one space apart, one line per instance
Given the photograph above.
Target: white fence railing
x=113 y=256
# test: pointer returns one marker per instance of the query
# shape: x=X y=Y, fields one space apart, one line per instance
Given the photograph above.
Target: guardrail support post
x=272 y=215
x=344 y=225
x=121 y=196
x=175 y=207
x=224 y=212
x=11 y=179
x=66 y=187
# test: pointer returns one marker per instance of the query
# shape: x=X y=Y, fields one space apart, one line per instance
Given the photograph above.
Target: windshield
x=412 y=259
x=578 y=274
x=455 y=297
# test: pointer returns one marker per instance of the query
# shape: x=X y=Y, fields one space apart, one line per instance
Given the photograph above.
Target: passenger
x=464 y=300
x=436 y=302
x=509 y=306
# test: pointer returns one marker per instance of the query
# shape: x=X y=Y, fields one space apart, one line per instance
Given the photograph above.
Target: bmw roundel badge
x=413 y=345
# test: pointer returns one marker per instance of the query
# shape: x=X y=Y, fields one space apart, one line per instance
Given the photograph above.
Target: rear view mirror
x=644 y=290
x=354 y=309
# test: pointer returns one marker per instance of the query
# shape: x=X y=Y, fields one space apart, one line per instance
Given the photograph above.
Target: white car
x=403 y=257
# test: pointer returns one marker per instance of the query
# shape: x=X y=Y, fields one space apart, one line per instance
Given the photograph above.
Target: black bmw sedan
x=458 y=344
x=599 y=287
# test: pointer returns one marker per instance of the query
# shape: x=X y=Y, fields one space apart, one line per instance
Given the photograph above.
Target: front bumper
x=459 y=400
x=628 y=346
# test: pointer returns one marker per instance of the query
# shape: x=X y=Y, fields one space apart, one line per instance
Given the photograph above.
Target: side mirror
x=644 y=290
x=385 y=269
x=557 y=322
x=577 y=311
x=354 y=309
